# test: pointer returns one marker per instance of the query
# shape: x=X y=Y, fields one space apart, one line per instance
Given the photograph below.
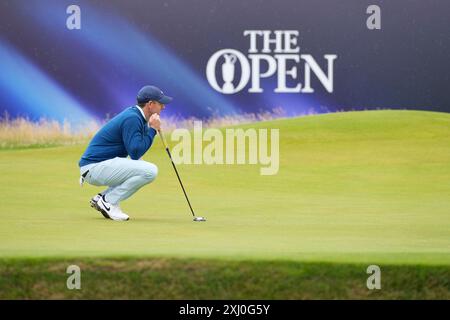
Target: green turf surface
x=360 y=187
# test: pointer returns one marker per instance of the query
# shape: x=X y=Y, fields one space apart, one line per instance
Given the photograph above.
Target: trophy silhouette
x=228 y=72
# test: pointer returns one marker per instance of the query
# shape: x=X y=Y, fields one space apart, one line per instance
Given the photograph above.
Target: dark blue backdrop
x=49 y=70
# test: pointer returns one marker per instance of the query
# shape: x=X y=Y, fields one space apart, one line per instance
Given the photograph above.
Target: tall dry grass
x=171 y=123
x=22 y=132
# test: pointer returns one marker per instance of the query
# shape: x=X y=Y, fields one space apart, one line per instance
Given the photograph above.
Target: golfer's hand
x=155 y=122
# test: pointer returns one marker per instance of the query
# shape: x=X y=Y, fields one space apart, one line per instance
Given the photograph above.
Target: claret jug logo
x=278 y=53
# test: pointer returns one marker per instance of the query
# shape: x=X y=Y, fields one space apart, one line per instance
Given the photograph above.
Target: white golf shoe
x=94 y=204
x=94 y=200
x=108 y=210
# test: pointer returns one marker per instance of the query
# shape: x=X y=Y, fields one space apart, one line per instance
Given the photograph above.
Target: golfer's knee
x=150 y=172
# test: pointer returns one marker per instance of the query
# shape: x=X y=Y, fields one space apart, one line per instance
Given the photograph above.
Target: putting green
x=365 y=187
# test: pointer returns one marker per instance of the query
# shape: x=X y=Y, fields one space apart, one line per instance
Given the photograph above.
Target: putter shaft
x=176 y=171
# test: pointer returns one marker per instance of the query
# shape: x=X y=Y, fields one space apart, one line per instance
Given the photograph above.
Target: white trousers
x=123 y=177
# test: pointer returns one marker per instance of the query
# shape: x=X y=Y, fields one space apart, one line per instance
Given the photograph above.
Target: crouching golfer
x=105 y=162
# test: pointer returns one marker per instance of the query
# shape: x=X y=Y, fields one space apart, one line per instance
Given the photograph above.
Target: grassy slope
x=363 y=187
x=206 y=279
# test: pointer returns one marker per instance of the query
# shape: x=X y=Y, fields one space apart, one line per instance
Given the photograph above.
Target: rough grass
x=215 y=279
x=22 y=133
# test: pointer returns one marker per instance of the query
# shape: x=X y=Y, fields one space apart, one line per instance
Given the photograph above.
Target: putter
x=178 y=176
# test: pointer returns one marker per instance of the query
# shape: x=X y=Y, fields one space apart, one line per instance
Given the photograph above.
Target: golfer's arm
x=137 y=140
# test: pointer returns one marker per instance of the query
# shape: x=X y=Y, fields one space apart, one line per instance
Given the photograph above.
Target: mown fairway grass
x=353 y=189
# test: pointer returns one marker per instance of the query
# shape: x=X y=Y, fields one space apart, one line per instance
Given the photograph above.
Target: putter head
x=199 y=219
